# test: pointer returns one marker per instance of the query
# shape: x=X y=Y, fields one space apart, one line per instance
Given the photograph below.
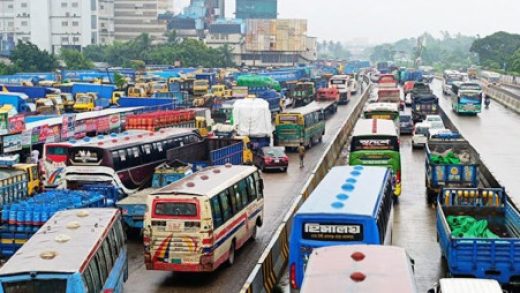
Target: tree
x=27 y=57
x=74 y=59
x=226 y=55
x=96 y=53
x=515 y=62
x=495 y=51
x=6 y=69
x=119 y=80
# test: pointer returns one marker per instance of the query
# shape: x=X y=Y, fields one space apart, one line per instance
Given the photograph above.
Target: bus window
x=242 y=187
x=216 y=212
x=227 y=213
x=259 y=186
x=251 y=188
x=176 y=209
x=238 y=197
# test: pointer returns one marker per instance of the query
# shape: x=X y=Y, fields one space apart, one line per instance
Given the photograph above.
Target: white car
x=408 y=100
x=435 y=121
x=420 y=134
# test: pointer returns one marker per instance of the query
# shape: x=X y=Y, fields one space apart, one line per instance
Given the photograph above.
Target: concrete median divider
x=504 y=98
x=270 y=267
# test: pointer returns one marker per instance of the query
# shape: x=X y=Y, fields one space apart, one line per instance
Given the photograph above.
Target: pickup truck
x=493 y=252
x=133 y=207
x=450 y=162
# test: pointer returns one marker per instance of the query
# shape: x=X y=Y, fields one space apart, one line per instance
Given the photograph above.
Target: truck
x=209 y=152
x=103 y=91
x=387 y=81
x=211 y=77
x=390 y=95
x=303 y=94
x=272 y=97
x=252 y=118
x=133 y=207
x=450 y=162
x=86 y=102
x=200 y=87
x=19 y=101
x=488 y=247
x=163 y=103
x=32 y=92
x=329 y=99
x=423 y=105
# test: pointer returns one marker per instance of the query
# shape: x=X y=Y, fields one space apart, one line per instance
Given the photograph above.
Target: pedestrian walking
x=301 y=153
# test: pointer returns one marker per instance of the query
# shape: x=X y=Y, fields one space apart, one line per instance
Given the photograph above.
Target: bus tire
x=231 y=257
x=259 y=222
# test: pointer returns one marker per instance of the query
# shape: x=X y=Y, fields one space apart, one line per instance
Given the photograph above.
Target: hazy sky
x=382 y=21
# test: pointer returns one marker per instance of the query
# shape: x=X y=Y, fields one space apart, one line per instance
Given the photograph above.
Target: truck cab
x=68 y=101
x=85 y=102
x=200 y=87
x=33 y=178
x=58 y=102
x=46 y=106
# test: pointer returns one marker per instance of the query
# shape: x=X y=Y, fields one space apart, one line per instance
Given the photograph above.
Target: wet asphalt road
x=280 y=191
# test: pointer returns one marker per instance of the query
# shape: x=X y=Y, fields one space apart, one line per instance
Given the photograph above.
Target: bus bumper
x=193 y=267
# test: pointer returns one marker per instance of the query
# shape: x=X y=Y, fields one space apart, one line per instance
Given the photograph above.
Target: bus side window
x=259 y=186
x=233 y=197
x=242 y=186
x=216 y=212
x=227 y=213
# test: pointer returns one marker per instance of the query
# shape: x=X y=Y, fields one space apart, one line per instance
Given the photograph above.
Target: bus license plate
x=173 y=227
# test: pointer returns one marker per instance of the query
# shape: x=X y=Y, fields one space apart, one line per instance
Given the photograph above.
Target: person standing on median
x=301 y=153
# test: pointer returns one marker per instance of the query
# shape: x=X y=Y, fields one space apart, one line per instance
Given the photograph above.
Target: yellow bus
x=197 y=223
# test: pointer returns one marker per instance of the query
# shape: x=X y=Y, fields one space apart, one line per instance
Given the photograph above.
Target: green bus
x=375 y=142
x=300 y=125
x=466 y=98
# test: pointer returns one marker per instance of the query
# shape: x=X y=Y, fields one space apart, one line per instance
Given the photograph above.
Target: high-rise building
x=256 y=9
x=134 y=17
x=165 y=6
x=52 y=25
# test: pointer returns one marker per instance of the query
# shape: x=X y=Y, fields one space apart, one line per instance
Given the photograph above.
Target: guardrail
x=504 y=97
x=270 y=267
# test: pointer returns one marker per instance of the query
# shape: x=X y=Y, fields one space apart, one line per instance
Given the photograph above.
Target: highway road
x=280 y=191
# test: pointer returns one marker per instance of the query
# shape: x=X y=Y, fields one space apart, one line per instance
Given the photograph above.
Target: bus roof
x=361 y=185
x=88 y=226
x=386 y=268
x=393 y=107
x=309 y=108
x=140 y=138
x=99 y=138
x=374 y=127
x=208 y=181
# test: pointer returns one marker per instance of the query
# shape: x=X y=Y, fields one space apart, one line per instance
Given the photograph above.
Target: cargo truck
x=423 y=105
x=488 y=246
x=32 y=92
x=86 y=102
x=19 y=101
x=450 y=162
x=328 y=98
x=103 y=91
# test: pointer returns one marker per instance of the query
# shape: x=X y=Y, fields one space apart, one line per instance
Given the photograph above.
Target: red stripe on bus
x=374 y=126
x=230 y=227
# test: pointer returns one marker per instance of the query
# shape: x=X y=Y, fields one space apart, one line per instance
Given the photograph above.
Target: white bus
x=76 y=251
x=341 y=82
x=450 y=76
x=198 y=222
x=490 y=77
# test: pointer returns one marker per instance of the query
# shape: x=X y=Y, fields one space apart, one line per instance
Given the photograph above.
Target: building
x=227 y=32
x=52 y=25
x=195 y=19
x=134 y=17
x=256 y=9
x=165 y=6
x=277 y=42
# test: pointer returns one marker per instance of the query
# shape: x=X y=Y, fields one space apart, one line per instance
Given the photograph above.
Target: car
x=406 y=124
x=420 y=134
x=408 y=100
x=435 y=121
x=271 y=158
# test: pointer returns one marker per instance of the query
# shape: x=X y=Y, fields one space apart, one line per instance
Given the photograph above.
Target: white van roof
x=467 y=285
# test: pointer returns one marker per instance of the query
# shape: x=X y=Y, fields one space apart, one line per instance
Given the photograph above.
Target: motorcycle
x=487 y=101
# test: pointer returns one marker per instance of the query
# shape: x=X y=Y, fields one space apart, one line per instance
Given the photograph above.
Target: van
x=420 y=134
x=457 y=285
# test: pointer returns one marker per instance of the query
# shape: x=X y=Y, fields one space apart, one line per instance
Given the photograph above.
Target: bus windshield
x=36 y=285
x=470 y=99
x=288 y=118
x=382 y=115
x=175 y=209
x=367 y=143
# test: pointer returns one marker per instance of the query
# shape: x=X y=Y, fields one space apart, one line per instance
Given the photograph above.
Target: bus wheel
x=231 y=258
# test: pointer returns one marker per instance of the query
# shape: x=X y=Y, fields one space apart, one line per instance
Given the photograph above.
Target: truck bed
x=136 y=198
x=495 y=217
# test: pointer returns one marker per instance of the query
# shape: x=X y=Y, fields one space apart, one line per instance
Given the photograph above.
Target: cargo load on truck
x=252 y=117
x=478 y=232
x=450 y=162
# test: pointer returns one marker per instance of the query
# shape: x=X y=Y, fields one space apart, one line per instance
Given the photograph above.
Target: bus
x=375 y=142
x=450 y=76
x=300 y=125
x=490 y=77
x=56 y=155
x=386 y=111
x=341 y=82
x=197 y=223
x=466 y=98
x=127 y=164
x=358 y=268
x=351 y=205
x=86 y=252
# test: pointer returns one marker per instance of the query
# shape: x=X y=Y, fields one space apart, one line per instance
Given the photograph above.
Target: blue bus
x=76 y=251
x=351 y=205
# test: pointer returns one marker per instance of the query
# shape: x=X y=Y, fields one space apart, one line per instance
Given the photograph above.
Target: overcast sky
x=380 y=21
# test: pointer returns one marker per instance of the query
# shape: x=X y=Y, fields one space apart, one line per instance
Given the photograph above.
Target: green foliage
x=498 y=51
x=26 y=57
x=332 y=50
x=74 y=59
x=6 y=69
x=119 y=80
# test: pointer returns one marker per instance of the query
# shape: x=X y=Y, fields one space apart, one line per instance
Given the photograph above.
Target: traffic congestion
x=177 y=150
